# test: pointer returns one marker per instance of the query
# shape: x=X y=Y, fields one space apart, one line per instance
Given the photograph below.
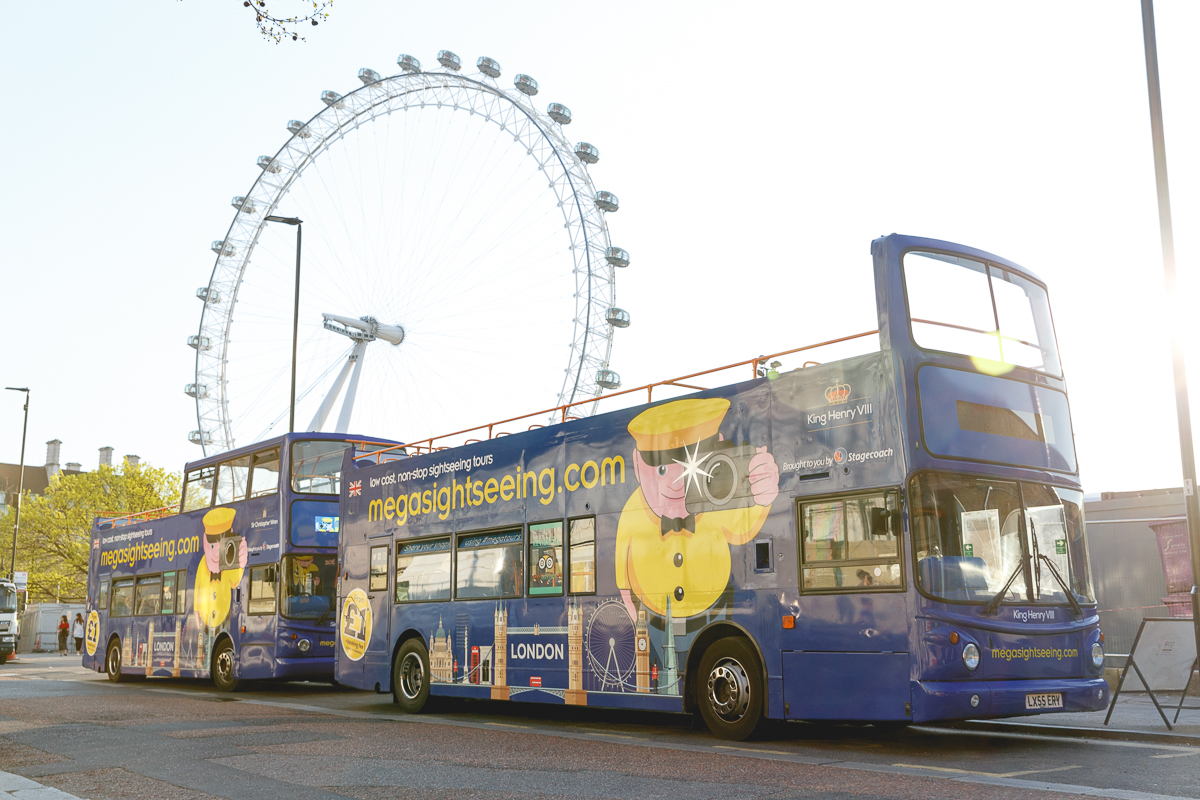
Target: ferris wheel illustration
x=610 y=642
x=452 y=264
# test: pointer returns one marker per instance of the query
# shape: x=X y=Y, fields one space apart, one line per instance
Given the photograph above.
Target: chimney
x=74 y=466
x=52 y=451
x=133 y=461
x=106 y=456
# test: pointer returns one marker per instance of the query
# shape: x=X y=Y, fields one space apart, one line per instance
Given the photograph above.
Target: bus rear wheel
x=112 y=662
x=730 y=689
x=222 y=669
x=410 y=676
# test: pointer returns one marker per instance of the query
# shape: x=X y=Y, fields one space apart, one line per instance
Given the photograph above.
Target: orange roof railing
x=141 y=516
x=428 y=445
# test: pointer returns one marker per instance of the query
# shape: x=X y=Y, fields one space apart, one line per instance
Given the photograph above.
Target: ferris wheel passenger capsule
x=268 y=164
x=526 y=85
x=200 y=437
x=587 y=153
x=220 y=248
x=243 y=204
x=608 y=379
x=607 y=201
x=408 y=63
x=559 y=113
x=617 y=257
x=369 y=76
x=208 y=295
x=488 y=66
x=199 y=343
x=332 y=99
x=449 y=60
x=298 y=128
x=618 y=317
x=197 y=390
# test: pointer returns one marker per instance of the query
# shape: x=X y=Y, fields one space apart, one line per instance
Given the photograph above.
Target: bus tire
x=410 y=677
x=222 y=667
x=729 y=689
x=112 y=662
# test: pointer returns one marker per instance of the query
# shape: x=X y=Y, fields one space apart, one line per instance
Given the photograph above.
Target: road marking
x=987 y=774
x=753 y=750
x=1178 y=755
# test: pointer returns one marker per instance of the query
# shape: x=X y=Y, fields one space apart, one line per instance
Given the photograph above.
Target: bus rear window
x=317 y=466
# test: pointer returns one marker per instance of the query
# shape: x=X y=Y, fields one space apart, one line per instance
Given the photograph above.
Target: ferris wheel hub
x=363 y=329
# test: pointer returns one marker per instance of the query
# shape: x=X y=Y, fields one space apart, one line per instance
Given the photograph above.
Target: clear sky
x=757 y=148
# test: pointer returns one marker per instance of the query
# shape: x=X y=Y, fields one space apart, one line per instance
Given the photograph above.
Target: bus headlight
x=971 y=656
x=1098 y=655
x=304 y=644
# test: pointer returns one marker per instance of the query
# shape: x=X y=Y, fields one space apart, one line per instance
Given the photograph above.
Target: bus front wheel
x=112 y=662
x=410 y=676
x=730 y=689
x=222 y=670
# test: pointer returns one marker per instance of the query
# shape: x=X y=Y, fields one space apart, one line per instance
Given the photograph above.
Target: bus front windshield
x=975 y=538
x=309 y=586
x=8 y=600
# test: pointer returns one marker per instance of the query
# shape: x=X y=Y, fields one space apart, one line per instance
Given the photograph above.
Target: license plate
x=1036 y=702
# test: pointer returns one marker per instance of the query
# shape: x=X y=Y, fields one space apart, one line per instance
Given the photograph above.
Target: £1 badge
x=356 y=624
x=91 y=633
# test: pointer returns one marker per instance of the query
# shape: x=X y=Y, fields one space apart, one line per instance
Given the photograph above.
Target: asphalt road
x=181 y=740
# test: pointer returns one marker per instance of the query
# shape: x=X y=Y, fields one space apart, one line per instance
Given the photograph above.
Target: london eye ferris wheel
x=456 y=265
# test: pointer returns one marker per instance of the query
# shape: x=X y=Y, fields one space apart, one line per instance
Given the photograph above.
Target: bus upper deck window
x=233 y=478
x=317 y=466
x=264 y=473
x=198 y=488
x=961 y=305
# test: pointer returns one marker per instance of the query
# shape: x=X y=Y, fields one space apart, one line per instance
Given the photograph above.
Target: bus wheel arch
x=223 y=664
x=411 y=633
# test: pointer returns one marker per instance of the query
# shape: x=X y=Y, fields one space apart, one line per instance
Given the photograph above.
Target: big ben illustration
x=575 y=694
x=642 y=640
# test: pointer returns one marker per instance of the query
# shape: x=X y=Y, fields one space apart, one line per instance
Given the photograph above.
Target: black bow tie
x=676 y=524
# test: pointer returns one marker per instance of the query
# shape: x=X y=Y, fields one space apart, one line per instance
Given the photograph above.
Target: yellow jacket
x=214 y=594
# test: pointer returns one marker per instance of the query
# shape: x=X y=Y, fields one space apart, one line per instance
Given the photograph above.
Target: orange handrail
x=426 y=445
x=140 y=516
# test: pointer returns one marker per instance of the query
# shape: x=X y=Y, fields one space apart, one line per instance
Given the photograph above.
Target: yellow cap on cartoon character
x=218 y=521
x=679 y=424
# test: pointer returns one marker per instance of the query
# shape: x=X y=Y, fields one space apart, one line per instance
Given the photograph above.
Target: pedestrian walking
x=64 y=629
x=77 y=632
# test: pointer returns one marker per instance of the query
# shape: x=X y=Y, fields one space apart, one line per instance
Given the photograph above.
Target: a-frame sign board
x=1162 y=659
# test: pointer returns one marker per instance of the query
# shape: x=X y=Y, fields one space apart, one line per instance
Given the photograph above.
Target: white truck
x=8 y=619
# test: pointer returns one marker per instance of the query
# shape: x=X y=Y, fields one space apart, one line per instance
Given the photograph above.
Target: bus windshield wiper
x=324 y=614
x=1078 y=609
x=994 y=603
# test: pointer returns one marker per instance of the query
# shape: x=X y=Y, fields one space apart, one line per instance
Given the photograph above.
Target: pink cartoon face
x=212 y=553
x=663 y=486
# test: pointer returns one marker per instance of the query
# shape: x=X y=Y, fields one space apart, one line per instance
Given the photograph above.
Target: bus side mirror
x=881 y=521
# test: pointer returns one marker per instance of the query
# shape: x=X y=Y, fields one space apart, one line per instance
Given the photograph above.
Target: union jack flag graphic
x=355 y=488
x=95 y=544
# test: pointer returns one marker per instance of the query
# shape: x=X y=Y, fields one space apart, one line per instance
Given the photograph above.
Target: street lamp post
x=1182 y=410
x=295 y=315
x=20 y=480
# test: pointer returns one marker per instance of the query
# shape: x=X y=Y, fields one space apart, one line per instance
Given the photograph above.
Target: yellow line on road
x=753 y=750
x=987 y=774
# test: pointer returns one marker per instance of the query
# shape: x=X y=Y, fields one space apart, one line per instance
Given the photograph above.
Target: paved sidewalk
x=1134 y=718
x=19 y=788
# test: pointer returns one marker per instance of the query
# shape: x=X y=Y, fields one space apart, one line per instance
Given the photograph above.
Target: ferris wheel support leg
x=359 y=354
x=318 y=420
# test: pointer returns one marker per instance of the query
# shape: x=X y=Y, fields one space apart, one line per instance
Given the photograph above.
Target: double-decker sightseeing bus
x=893 y=537
x=238 y=581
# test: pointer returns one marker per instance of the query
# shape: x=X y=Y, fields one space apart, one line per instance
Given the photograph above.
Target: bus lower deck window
x=581 y=549
x=489 y=565
x=545 y=559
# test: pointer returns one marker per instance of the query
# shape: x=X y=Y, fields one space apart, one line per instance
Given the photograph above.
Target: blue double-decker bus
x=238 y=581
x=893 y=537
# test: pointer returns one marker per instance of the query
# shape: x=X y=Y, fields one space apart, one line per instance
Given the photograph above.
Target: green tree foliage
x=55 y=535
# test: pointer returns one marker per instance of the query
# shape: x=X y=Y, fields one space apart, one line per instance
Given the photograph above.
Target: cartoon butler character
x=698 y=495
x=225 y=557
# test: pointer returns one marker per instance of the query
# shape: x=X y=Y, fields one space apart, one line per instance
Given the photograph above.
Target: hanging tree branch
x=276 y=28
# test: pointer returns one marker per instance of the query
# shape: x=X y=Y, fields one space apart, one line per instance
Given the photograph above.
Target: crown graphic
x=838 y=393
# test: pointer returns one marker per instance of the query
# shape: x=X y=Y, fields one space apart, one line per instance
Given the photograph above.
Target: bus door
x=847 y=657
x=359 y=610
x=262 y=529
x=233 y=483
x=377 y=663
